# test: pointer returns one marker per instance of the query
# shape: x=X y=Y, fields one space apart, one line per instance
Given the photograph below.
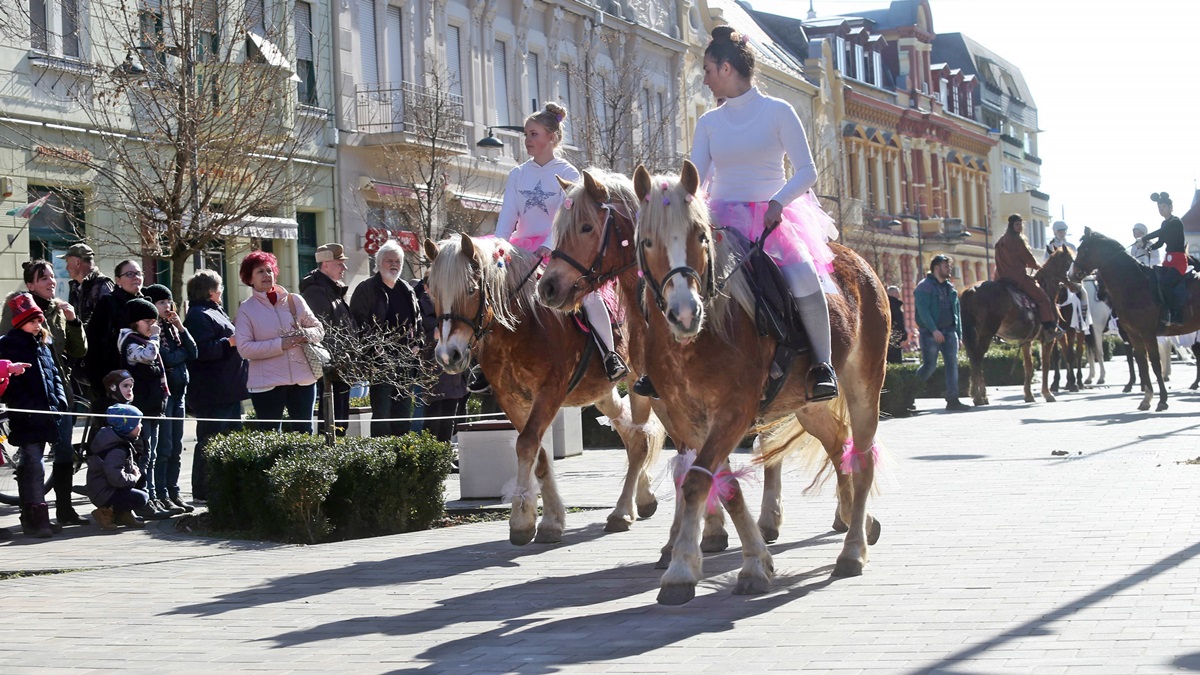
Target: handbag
x=318 y=357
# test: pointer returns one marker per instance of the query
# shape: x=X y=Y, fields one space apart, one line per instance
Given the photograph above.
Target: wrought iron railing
x=411 y=108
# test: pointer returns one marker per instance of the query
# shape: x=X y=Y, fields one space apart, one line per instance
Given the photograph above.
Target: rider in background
x=1170 y=234
x=1141 y=251
x=1013 y=257
x=532 y=196
x=1059 y=240
x=741 y=146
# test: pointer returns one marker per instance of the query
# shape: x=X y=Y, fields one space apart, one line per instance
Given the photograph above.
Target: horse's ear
x=595 y=189
x=431 y=249
x=468 y=247
x=689 y=177
x=1087 y=231
x=641 y=182
x=565 y=184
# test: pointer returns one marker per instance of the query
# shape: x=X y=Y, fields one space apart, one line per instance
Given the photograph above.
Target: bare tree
x=201 y=122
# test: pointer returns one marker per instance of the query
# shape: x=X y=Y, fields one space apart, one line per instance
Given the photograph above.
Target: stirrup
x=615 y=367
x=821 y=388
x=644 y=387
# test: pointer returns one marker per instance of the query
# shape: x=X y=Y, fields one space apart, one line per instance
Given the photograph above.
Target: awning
x=272 y=55
x=389 y=191
x=263 y=227
x=480 y=202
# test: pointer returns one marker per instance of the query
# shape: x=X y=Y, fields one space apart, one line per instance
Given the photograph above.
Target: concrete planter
x=360 y=423
x=487 y=458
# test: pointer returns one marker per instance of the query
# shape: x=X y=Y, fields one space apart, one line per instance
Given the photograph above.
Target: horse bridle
x=707 y=283
x=478 y=329
x=593 y=275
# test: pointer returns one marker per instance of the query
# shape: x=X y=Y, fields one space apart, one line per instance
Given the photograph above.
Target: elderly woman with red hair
x=271 y=326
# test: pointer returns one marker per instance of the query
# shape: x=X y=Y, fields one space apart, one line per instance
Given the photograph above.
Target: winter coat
x=449 y=386
x=177 y=348
x=928 y=299
x=140 y=356
x=67 y=341
x=224 y=369
x=261 y=328
x=111 y=465
x=369 y=305
x=327 y=300
x=103 y=329
x=85 y=296
x=40 y=387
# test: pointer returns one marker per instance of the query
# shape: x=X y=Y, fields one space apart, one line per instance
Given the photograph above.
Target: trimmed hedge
x=293 y=487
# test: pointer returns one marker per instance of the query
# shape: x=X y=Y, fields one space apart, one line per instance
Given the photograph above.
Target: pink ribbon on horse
x=852 y=457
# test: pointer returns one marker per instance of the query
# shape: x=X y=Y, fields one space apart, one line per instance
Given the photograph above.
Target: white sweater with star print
x=531 y=197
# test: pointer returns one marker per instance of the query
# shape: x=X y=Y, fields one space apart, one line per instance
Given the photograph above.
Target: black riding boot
x=644 y=387
x=822 y=382
x=614 y=365
x=63 y=511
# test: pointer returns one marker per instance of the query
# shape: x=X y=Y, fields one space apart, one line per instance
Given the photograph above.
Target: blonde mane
x=567 y=221
x=502 y=266
x=667 y=210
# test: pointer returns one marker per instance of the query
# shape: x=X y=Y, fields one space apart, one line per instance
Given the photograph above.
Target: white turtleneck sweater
x=531 y=198
x=744 y=141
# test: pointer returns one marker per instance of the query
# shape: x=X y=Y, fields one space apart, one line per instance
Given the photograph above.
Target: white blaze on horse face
x=453 y=350
x=683 y=307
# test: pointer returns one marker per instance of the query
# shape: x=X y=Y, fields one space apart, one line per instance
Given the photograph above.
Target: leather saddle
x=1028 y=308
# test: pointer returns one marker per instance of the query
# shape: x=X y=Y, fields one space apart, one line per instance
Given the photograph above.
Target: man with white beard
x=387 y=302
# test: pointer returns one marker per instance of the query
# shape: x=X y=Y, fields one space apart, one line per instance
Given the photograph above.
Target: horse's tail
x=782 y=438
x=966 y=311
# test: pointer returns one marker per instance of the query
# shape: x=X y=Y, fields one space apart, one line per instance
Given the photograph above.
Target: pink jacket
x=260 y=329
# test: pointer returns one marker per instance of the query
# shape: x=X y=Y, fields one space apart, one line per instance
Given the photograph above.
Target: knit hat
x=24 y=309
x=138 y=309
x=124 y=418
x=112 y=383
x=156 y=292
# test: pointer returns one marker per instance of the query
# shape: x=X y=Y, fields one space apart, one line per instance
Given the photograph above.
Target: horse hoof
x=748 y=585
x=876 y=530
x=1029 y=399
x=1128 y=388
x=648 y=509
x=1161 y=407
x=838 y=525
x=617 y=524
x=714 y=543
x=664 y=561
x=770 y=534
x=520 y=537
x=1073 y=389
x=848 y=567
x=1144 y=406
x=545 y=536
x=1050 y=398
x=676 y=594
x=1099 y=382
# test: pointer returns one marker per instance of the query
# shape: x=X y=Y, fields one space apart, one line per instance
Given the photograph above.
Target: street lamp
x=490 y=142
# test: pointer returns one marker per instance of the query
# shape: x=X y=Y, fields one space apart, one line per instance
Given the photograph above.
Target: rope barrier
x=164 y=418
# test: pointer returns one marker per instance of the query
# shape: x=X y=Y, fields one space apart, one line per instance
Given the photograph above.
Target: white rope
x=164 y=418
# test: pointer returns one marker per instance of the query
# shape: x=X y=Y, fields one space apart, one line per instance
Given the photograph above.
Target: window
x=306 y=90
x=647 y=121
x=955 y=105
x=1012 y=182
x=306 y=243
x=366 y=36
x=859 y=71
x=945 y=89
x=877 y=68
x=152 y=40
x=58 y=224
x=208 y=45
x=500 y=74
x=256 y=16
x=839 y=53
x=394 y=43
x=454 y=59
x=535 y=78
x=54 y=26
x=564 y=95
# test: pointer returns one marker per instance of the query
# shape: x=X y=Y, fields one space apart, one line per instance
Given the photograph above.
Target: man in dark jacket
x=104 y=326
x=899 y=333
x=325 y=293
x=939 y=326
x=88 y=286
x=217 y=391
x=386 y=302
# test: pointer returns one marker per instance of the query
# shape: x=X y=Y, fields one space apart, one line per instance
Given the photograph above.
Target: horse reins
x=593 y=275
x=707 y=284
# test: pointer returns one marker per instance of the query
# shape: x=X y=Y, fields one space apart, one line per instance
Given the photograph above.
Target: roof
x=766 y=49
x=785 y=30
x=960 y=51
x=899 y=13
x=1191 y=219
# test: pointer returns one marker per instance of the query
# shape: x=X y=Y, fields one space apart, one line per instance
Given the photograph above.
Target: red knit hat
x=24 y=309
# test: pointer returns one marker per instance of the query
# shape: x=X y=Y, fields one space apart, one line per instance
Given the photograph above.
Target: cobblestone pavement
x=997 y=556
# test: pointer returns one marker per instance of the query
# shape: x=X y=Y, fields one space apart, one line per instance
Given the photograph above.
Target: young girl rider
x=531 y=198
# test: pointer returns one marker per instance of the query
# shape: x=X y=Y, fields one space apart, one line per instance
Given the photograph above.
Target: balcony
x=404 y=112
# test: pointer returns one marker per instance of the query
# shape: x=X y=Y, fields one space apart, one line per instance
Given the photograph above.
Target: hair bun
x=557 y=110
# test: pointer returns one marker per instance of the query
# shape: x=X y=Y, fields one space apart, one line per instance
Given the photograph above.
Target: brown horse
x=483 y=292
x=989 y=310
x=598 y=231
x=1131 y=292
x=712 y=380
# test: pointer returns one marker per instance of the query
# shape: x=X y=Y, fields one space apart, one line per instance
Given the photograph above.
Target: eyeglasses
x=132 y=275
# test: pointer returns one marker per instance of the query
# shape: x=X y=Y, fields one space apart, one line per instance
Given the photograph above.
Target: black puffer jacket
x=40 y=387
x=220 y=372
x=103 y=329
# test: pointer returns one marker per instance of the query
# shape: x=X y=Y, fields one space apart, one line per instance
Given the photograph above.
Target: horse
x=1074 y=322
x=597 y=230
x=710 y=365
x=1131 y=292
x=483 y=292
x=989 y=310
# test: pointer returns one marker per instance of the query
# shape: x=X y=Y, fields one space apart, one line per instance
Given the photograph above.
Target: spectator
x=216 y=399
x=899 y=334
x=88 y=287
x=386 y=302
x=443 y=399
x=325 y=292
x=272 y=324
x=939 y=326
x=67 y=345
x=113 y=473
x=39 y=387
x=140 y=347
x=118 y=385
x=178 y=348
x=104 y=326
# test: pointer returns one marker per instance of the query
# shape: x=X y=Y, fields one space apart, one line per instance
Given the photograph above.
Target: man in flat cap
x=325 y=292
x=88 y=286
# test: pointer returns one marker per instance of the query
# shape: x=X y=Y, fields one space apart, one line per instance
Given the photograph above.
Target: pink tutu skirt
x=530 y=244
x=801 y=238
